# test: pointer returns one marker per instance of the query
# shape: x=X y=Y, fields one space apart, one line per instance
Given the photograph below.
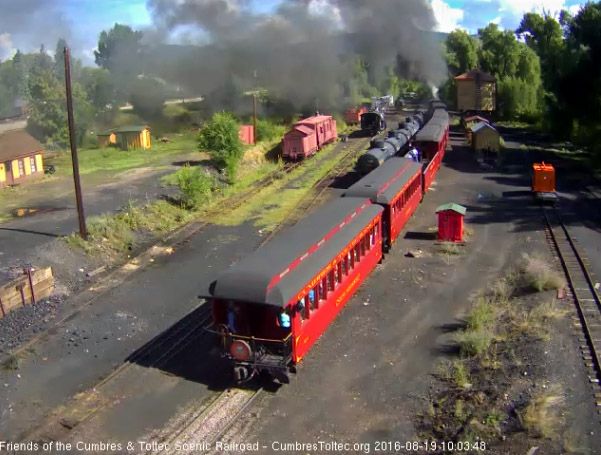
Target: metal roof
x=315 y=119
x=14 y=144
x=434 y=130
x=384 y=183
x=452 y=206
x=480 y=126
x=130 y=129
x=473 y=74
x=276 y=272
x=302 y=129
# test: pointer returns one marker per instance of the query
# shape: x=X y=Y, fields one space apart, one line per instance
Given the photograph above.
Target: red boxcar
x=353 y=116
x=298 y=145
x=272 y=306
x=396 y=186
x=246 y=133
x=432 y=142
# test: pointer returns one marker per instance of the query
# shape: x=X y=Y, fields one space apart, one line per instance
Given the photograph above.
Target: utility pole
x=78 y=197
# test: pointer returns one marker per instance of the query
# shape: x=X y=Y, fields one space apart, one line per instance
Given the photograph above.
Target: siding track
x=584 y=295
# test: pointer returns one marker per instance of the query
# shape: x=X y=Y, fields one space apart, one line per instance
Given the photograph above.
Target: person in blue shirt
x=312 y=296
x=232 y=311
x=284 y=320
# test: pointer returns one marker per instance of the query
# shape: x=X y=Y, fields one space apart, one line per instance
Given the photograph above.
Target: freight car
x=308 y=136
x=272 y=306
x=353 y=116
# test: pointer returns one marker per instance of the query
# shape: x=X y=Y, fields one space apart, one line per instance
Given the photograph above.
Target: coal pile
x=19 y=325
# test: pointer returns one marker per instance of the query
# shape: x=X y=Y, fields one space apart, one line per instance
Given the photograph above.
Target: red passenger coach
x=308 y=136
x=432 y=141
x=271 y=307
x=396 y=186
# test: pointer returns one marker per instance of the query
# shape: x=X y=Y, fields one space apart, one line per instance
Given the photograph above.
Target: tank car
x=381 y=150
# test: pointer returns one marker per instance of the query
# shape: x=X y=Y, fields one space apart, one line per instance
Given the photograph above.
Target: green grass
x=271 y=205
x=473 y=342
x=482 y=316
x=116 y=234
x=92 y=160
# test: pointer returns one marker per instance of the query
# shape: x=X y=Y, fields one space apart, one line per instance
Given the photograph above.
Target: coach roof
x=276 y=272
x=385 y=182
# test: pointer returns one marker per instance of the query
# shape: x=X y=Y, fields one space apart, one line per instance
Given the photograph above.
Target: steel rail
x=570 y=274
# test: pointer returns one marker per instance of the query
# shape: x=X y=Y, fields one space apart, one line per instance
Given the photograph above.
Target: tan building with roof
x=21 y=158
x=126 y=137
x=476 y=91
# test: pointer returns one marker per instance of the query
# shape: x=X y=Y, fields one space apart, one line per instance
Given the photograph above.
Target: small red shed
x=450 y=222
x=246 y=133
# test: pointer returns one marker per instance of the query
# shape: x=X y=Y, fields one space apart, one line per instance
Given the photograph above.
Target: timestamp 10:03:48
x=430 y=446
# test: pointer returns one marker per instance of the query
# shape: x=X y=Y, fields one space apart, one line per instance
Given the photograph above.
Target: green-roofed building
x=450 y=222
x=127 y=137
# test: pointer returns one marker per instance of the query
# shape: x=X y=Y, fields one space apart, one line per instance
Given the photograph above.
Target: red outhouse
x=246 y=133
x=450 y=222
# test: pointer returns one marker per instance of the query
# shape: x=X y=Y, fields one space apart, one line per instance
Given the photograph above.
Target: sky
x=81 y=21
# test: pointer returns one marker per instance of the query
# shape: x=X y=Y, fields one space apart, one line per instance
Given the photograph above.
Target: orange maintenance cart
x=543 y=182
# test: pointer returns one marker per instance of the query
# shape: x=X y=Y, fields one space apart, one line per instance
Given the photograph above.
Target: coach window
x=351 y=260
x=324 y=287
x=339 y=272
x=331 y=281
x=376 y=227
x=357 y=254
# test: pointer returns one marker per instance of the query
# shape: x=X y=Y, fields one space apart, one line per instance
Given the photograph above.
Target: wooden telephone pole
x=72 y=137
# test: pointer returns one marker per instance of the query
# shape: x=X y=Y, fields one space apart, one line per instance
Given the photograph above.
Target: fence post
x=20 y=289
x=28 y=272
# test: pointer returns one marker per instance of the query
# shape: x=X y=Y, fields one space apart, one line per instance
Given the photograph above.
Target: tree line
x=548 y=70
x=37 y=80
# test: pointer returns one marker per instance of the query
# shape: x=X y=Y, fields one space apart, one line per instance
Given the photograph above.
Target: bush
x=482 y=316
x=541 y=416
x=195 y=186
x=539 y=275
x=472 y=343
x=268 y=131
x=219 y=137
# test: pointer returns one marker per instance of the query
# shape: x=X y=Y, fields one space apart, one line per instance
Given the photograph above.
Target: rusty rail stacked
x=584 y=294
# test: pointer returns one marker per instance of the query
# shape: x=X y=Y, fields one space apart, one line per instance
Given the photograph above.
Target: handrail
x=233 y=335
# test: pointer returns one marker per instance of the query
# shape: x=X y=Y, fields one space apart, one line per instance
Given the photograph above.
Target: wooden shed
x=21 y=158
x=485 y=137
x=106 y=138
x=476 y=91
x=131 y=137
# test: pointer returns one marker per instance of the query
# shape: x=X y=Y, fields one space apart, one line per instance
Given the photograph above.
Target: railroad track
x=153 y=354
x=199 y=433
x=584 y=294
